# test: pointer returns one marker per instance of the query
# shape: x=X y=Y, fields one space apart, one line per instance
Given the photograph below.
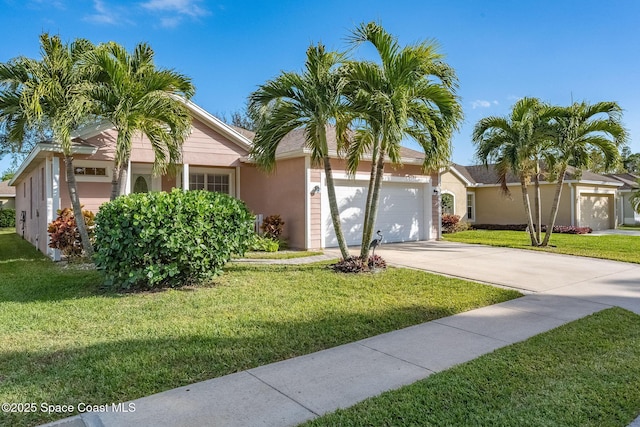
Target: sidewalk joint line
x=282 y=393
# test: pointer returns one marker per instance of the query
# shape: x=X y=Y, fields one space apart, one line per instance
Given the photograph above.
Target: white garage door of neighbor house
x=401 y=215
x=595 y=211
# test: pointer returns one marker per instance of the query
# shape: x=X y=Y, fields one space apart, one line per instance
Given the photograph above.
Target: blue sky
x=555 y=50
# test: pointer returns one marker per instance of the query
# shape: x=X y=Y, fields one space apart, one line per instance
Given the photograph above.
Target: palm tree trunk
x=367 y=227
x=527 y=209
x=538 y=207
x=115 y=182
x=373 y=208
x=77 y=207
x=554 y=207
x=333 y=208
x=122 y=180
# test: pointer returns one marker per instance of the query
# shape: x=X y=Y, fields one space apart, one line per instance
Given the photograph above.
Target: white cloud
x=103 y=15
x=480 y=103
x=183 y=7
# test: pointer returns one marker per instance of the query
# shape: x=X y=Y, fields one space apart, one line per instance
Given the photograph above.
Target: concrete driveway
x=607 y=282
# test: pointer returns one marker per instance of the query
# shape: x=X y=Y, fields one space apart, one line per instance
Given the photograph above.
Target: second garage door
x=401 y=212
x=596 y=211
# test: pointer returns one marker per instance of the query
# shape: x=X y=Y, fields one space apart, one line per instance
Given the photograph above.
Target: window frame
x=471 y=207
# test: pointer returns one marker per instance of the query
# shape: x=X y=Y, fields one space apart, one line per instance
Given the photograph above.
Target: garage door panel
x=595 y=211
x=400 y=212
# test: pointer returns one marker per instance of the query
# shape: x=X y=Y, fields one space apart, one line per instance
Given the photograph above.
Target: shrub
x=264 y=244
x=64 y=233
x=452 y=224
x=7 y=218
x=158 y=239
x=272 y=226
x=355 y=264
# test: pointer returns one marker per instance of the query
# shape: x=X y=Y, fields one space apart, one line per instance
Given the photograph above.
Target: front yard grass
x=280 y=254
x=613 y=247
x=64 y=341
x=585 y=373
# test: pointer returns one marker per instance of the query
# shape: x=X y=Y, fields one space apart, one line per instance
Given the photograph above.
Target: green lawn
x=586 y=373
x=280 y=254
x=64 y=341
x=614 y=247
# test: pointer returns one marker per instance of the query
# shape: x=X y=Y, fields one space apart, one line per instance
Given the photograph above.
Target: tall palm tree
x=514 y=144
x=579 y=130
x=410 y=93
x=134 y=95
x=44 y=93
x=311 y=101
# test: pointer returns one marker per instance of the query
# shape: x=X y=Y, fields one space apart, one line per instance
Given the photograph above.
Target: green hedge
x=169 y=239
x=7 y=218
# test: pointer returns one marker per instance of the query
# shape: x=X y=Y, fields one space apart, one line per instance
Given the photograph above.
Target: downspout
x=573 y=204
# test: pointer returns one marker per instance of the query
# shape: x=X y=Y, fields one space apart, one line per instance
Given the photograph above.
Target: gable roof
x=630 y=181
x=294 y=145
x=80 y=146
x=6 y=190
x=488 y=175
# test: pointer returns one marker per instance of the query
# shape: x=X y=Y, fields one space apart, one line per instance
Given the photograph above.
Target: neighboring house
x=627 y=215
x=588 y=199
x=7 y=196
x=215 y=157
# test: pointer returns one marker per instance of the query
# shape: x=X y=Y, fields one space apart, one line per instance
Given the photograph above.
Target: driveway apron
x=602 y=281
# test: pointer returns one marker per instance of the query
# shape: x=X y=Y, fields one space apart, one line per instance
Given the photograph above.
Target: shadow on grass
x=120 y=370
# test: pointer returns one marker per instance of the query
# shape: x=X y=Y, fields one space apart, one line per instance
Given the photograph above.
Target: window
x=448 y=203
x=218 y=183
x=92 y=170
x=140 y=186
x=89 y=171
x=209 y=181
x=471 y=207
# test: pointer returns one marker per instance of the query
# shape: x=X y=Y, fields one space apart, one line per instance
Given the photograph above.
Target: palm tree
x=514 y=144
x=44 y=93
x=310 y=101
x=579 y=130
x=131 y=93
x=410 y=93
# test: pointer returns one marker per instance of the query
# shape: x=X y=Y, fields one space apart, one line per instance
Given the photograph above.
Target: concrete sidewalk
x=561 y=289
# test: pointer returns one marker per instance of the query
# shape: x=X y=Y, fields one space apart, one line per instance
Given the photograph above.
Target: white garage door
x=401 y=212
x=595 y=211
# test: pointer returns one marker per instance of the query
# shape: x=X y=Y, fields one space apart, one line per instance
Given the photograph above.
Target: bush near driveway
x=160 y=239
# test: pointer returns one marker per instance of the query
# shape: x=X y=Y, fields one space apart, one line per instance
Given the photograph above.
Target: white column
x=127 y=185
x=185 y=176
x=238 y=182
x=52 y=194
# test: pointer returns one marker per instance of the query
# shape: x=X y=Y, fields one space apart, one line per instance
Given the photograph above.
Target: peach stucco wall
x=203 y=147
x=281 y=192
x=31 y=198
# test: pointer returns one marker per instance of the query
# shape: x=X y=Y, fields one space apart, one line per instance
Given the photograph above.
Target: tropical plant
x=635 y=199
x=129 y=91
x=38 y=94
x=64 y=234
x=410 y=93
x=311 y=101
x=578 y=130
x=515 y=144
